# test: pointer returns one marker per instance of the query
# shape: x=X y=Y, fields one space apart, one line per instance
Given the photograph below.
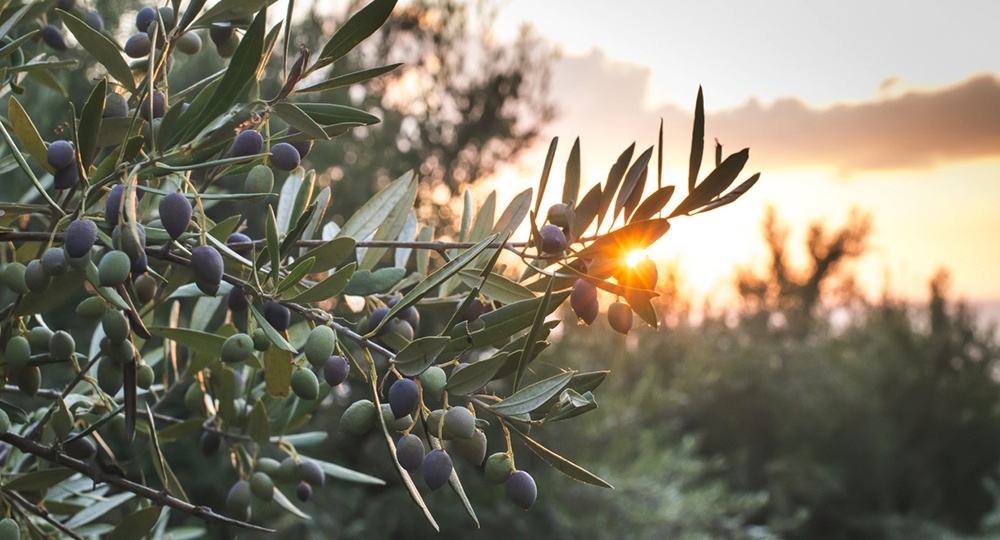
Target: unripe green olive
x=473 y=449
x=109 y=375
x=29 y=380
x=305 y=385
x=144 y=376
x=113 y=268
x=39 y=337
x=194 y=398
x=13 y=277
x=268 y=466
x=115 y=325
x=9 y=529
x=17 y=354
x=433 y=381
x=62 y=346
x=262 y=486
x=92 y=308
x=359 y=417
x=237 y=348
x=459 y=423
x=498 y=467
x=319 y=345
x=393 y=423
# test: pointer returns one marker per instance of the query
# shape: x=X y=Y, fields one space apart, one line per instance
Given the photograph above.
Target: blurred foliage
x=461 y=103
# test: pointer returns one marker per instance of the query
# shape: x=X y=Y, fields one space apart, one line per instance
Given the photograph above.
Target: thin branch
x=26 y=506
x=162 y=498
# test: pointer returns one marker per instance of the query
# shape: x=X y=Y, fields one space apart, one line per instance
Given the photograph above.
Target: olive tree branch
x=26 y=506
x=162 y=498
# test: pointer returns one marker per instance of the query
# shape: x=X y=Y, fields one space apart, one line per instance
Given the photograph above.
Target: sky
x=889 y=107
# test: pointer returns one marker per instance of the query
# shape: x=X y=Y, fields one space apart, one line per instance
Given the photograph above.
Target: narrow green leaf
x=736 y=193
x=332 y=114
x=309 y=438
x=273 y=245
x=475 y=375
x=483 y=223
x=349 y=79
x=532 y=396
x=347 y=475
x=38 y=480
x=636 y=173
x=715 y=183
x=502 y=323
x=653 y=204
x=572 y=404
x=301 y=121
x=423 y=257
x=202 y=342
x=90 y=123
x=273 y=335
x=295 y=275
x=364 y=282
x=27 y=133
x=258 y=426
x=98 y=509
x=419 y=354
x=615 y=176
x=467 y=208
x=240 y=75
x=361 y=25
x=438 y=277
x=697 y=141
x=549 y=157
x=13 y=19
x=136 y=525
x=290 y=507
x=288 y=242
x=586 y=211
x=496 y=286
x=533 y=333
x=560 y=463
x=390 y=228
x=330 y=254
x=328 y=288
x=514 y=214
x=659 y=157
x=571 y=188
x=287 y=201
x=230 y=10
x=101 y=47
x=371 y=214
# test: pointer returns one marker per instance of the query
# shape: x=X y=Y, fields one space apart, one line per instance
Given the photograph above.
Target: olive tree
x=136 y=312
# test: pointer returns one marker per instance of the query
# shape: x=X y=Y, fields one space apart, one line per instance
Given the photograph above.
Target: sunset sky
x=890 y=107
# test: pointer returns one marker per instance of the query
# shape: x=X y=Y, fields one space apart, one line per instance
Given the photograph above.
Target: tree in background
x=459 y=104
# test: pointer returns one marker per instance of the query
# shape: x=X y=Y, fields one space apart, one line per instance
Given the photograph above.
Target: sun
x=634 y=257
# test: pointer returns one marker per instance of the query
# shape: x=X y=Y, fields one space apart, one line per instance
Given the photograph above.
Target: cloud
x=605 y=101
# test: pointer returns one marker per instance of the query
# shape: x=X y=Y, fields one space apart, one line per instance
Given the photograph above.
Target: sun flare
x=634 y=257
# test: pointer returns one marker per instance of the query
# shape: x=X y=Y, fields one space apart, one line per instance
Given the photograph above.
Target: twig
x=158 y=497
x=26 y=506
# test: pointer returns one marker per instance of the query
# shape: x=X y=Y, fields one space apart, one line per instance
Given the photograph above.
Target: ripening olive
x=189 y=43
x=112 y=205
x=620 y=317
x=207 y=265
x=459 y=423
x=145 y=288
x=145 y=16
x=138 y=45
x=60 y=154
x=277 y=315
x=35 y=277
x=410 y=452
x=303 y=491
x=584 y=301
x=403 y=397
x=521 y=489
x=80 y=448
x=437 y=468
x=247 y=143
x=54 y=262
x=285 y=157
x=30 y=380
x=560 y=214
x=553 y=239
x=53 y=37
x=93 y=20
x=335 y=370
x=238 y=500
x=175 y=214
x=81 y=234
